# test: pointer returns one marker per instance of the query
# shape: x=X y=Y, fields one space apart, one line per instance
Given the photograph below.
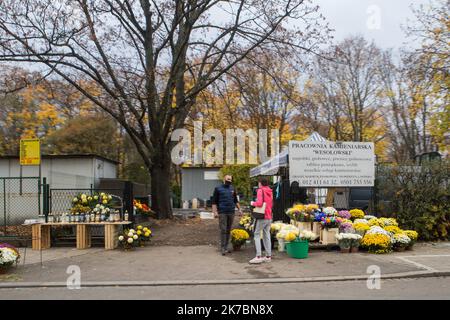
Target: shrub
x=419 y=197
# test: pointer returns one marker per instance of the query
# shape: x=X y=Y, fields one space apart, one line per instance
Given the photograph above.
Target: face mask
x=227 y=182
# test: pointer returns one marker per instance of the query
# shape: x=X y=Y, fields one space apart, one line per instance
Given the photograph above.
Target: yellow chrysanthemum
x=393 y=229
x=376 y=222
x=290 y=236
x=413 y=235
x=239 y=235
x=376 y=243
x=357 y=214
x=361 y=226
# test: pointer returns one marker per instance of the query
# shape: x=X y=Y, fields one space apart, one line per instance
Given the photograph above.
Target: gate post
x=128 y=197
x=4 y=205
x=45 y=199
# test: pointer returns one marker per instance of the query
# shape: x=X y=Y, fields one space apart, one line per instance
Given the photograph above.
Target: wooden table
x=41 y=233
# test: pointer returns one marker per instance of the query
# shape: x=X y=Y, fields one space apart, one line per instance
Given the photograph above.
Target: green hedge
x=418 y=196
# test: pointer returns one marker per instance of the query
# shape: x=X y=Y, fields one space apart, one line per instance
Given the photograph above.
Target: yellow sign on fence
x=30 y=152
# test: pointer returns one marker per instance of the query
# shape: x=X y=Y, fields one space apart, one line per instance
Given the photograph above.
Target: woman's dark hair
x=264 y=181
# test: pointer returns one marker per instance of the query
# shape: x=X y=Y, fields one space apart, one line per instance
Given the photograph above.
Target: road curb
x=90 y=284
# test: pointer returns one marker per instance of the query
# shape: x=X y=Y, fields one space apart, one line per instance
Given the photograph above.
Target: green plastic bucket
x=297 y=249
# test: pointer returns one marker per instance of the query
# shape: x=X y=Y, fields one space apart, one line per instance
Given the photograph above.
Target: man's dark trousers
x=225 y=223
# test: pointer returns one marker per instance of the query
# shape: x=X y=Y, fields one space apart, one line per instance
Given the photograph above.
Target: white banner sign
x=332 y=164
x=211 y=175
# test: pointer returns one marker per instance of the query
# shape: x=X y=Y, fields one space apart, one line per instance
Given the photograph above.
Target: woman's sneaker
x=256 y=260
x=267 y=259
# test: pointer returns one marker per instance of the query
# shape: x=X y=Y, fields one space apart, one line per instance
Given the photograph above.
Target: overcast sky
x=378 y=20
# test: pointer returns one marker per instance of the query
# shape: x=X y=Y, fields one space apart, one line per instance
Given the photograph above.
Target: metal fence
x=60 y=200
x=20 y=199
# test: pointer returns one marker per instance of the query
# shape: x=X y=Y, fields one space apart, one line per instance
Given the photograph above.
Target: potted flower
x=129 y=239
x=302 y=215
x=356 y=241
x=330 y=227
x=346 y=226
x=360 y=228
x=412 y=235
x=144 y=235
x=344 y=214
x=330 y=211
x=316 y=225
x=388 y=222
x=280 y=240
x=376 y=243
x=297 y=245
x=9 y=255
x=281 y=235
x=247 y=223
x=344 y=241
x=238 y=238
x=304 y=220
x=356 y=214
x=400 y=241
x=274 y=229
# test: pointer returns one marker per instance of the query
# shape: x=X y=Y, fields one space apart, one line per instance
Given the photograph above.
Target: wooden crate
x=83 y=236
x=111 y=236
x=304 y=226
x=40 y=237
x=327 y=236
x=316 y=228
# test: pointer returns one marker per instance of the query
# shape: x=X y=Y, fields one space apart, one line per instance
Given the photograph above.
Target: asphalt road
x=421 y=288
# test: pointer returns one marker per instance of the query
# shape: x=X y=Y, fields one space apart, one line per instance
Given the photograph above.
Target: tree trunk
x=160 y=182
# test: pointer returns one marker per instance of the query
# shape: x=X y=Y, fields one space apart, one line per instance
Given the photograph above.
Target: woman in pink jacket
x=264 y=194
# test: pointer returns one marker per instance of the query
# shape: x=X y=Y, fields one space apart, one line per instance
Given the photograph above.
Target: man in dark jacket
x=224 y=202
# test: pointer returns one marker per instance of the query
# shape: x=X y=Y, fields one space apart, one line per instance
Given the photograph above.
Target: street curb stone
x=402 y=275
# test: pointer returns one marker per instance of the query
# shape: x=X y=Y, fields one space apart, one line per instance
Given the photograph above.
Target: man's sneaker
x=224 y=252
x=256 y=260
x=267 y=259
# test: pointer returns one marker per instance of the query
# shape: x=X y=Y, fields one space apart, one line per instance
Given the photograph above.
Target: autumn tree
x=90 y=134
x=430 y=63
x=140 y=52
x=23 y=116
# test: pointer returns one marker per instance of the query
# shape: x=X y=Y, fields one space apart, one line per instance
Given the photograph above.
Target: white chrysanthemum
x=329 y=211
x=130 y=240
x=121 y=238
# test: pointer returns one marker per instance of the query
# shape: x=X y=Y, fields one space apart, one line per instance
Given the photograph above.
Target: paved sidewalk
x=203 y=264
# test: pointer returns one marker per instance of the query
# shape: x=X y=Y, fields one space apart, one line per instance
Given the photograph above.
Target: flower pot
x=327 y=236
x=237 y=247
x=354 y=249
x=399 y=249
x=410 y=247
x=298 y=249
x=281 y=245
x=345 y=250
x=4 y=269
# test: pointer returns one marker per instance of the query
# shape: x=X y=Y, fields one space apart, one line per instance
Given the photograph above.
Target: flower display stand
x=316 y=228
x=41 y=234
x=304 y=226
x=327 y=236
